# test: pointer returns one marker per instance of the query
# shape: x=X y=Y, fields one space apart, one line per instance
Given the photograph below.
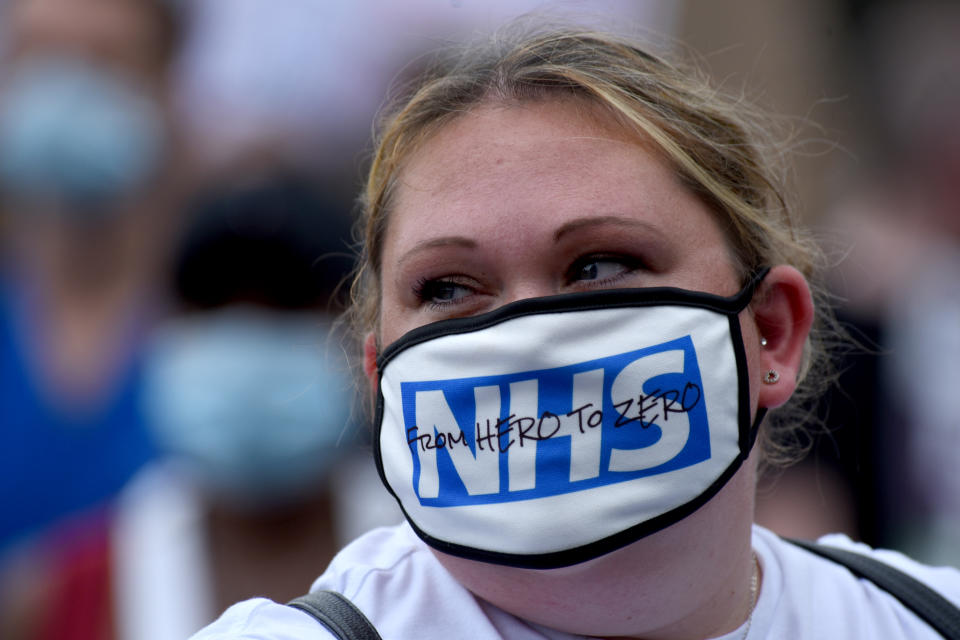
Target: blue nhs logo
x=552 y=431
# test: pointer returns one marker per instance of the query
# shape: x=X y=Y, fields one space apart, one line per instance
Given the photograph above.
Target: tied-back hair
x=719 y=146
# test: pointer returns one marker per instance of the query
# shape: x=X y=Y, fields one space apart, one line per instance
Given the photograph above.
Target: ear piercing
x=772 y=376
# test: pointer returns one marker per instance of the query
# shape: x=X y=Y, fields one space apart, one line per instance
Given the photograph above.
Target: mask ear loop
x=743 y=298
x=758 y=277
x=747 y=296
x=755 y=427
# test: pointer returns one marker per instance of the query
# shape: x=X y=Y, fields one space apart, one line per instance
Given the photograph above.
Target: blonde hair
x=716 y=144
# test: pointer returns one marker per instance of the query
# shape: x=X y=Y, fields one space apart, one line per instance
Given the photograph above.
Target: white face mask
x=553 y=430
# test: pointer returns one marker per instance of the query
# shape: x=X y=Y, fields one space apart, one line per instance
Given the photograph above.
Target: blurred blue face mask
x=255 y=402
x=76 y=134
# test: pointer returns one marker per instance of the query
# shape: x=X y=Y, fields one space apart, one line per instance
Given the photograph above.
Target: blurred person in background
x=902 y=276
x=249 y=395
x=877 y=162
x=923 y=374
x=90 y=174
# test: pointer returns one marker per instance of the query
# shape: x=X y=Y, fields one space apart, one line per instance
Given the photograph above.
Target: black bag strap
x=337 y=613
x=930 y=606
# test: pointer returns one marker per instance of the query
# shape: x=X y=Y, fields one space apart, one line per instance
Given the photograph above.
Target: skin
x=518 y=201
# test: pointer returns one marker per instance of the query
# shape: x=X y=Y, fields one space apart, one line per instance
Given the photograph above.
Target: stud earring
x=772 y=377
x=763 y=341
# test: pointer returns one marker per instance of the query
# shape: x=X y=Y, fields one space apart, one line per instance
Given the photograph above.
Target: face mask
x=553 y=430
x=255 y=403
x=72 y=132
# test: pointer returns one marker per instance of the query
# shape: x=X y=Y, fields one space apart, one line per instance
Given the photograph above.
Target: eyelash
x=425 y=291
x=630 y=264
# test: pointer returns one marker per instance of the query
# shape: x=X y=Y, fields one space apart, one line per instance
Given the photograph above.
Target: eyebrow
x=433 y=243
x=597 y=221
x=566 y=228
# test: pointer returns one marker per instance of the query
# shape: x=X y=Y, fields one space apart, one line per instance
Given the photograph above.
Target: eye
x=601 y=268
x=439 y=292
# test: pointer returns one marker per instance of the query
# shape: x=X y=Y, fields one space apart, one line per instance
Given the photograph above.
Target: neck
x=691 y=580
x=724 y=612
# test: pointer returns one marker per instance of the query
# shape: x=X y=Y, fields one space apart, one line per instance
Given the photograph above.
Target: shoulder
x=367 y=561
x=260 y=618
x=393 y=578
x=943 y=579
x=804 y=595
x=389 y=574
x=263 y=619
x=375 y=556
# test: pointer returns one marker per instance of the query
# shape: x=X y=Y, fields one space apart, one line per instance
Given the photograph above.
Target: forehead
x=534 y=164
x=491 y=141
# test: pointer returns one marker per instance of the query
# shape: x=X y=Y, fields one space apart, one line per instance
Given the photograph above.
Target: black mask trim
x=637 y=297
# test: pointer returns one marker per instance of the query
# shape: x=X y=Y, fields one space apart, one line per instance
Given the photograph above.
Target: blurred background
x=177 y=183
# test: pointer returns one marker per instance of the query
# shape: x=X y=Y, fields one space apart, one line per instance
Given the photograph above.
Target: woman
x=581 y=292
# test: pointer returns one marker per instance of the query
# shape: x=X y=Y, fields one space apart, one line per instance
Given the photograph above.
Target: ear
x=783 y=311
x=370 y=362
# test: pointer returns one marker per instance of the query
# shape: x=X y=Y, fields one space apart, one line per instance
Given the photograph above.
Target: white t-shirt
x=395 y=580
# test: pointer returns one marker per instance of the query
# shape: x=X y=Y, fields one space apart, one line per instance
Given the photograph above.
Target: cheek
x=370 y=351
x=394 y=321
